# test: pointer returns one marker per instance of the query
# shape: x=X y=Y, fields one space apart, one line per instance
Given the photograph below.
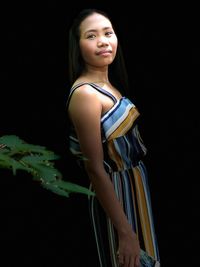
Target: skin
x=98 y=45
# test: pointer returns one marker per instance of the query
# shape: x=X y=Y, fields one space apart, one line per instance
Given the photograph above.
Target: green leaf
x=47 y=174
x=10 y=163
x=18 y=145
x=40 y=158
x=10 y=140
x=74 y=187
x=56 y=189
x=16 y=154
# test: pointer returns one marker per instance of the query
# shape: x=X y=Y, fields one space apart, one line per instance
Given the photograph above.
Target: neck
x=102 y=81
x=94 y=77
x=92 y=80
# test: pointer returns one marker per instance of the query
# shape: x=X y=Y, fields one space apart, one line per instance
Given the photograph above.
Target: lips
x=104 y=52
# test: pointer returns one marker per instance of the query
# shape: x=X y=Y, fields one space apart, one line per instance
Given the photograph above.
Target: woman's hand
x=129 y=250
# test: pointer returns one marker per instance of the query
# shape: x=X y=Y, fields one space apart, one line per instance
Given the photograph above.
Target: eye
x=109 y=33
x=91 y=36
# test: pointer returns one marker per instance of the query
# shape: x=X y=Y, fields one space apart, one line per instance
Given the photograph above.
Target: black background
x=161 y=47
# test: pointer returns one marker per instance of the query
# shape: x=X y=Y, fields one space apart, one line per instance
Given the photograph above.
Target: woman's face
x=98 y=41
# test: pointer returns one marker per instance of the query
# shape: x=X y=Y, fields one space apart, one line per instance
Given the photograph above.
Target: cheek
x=86 y=51
x=114 y=45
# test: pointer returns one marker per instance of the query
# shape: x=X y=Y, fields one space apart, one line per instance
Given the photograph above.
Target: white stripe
x=119 y=121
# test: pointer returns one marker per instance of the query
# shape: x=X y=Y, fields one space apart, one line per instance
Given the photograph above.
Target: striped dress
x=123 y=154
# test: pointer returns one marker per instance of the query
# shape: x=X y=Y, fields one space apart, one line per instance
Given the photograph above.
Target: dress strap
x=95 y=86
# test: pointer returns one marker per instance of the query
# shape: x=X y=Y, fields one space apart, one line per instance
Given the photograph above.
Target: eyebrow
x=94 y=30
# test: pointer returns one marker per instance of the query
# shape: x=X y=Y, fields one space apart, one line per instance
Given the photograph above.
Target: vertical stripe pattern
x=124 y=151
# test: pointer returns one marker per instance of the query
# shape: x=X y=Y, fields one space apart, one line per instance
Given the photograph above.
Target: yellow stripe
x=126 y=124
x=144 y=216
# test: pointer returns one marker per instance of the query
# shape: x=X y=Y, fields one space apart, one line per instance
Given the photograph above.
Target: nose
x=102 y=41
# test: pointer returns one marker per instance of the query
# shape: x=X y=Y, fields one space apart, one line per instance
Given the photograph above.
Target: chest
x=108 y=101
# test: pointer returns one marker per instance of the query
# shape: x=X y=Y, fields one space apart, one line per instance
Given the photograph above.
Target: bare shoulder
x=84 y=99
x=85 y=91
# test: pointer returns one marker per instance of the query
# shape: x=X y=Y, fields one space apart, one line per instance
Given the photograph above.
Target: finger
x=120 y=258
x=132 y=262
x=126 y=261
x=137 y=261
x=121 y=261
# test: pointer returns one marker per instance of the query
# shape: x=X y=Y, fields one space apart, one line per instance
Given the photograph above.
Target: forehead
x=95 y=22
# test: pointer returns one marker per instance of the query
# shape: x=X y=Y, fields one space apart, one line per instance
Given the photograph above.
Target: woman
x=105 y=137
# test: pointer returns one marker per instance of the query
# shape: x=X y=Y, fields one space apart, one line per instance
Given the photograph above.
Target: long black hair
x=117 y=71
